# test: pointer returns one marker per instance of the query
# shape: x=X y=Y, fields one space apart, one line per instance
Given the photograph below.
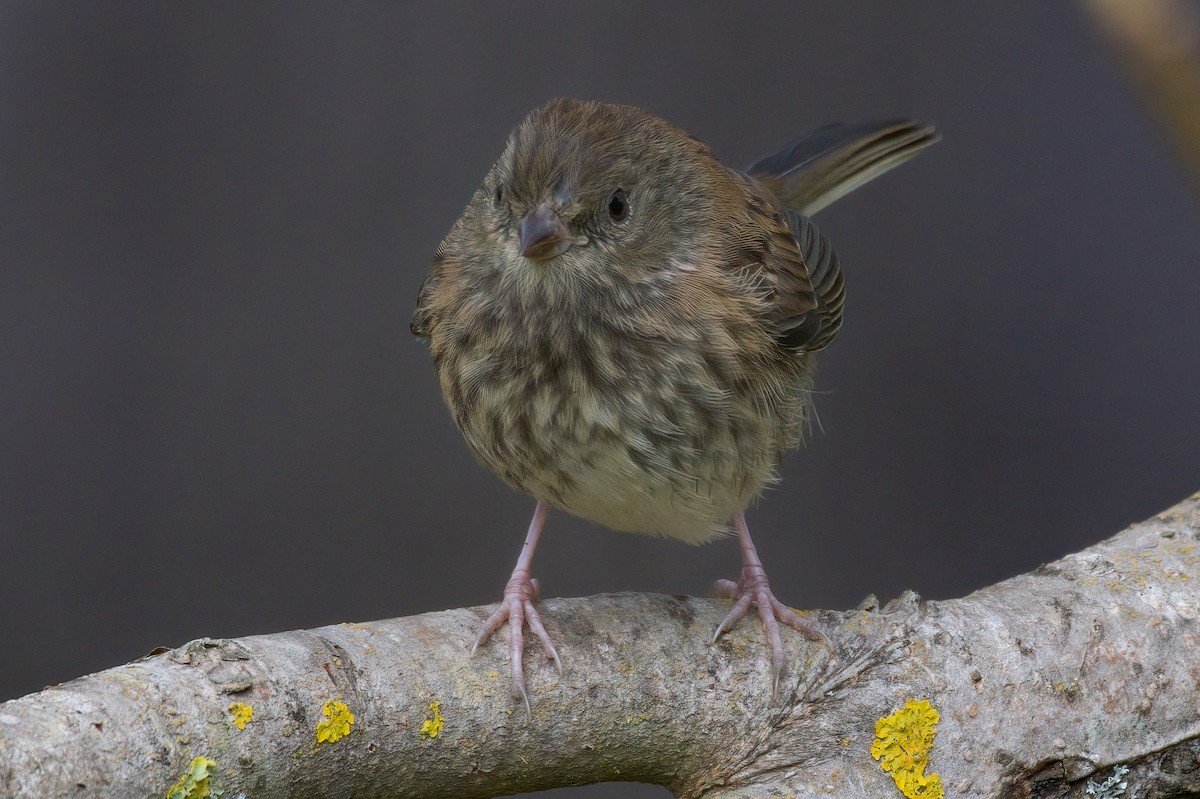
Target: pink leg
x=517 y=608
x=754 y=589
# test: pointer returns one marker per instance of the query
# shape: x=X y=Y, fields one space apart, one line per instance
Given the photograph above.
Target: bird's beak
x=543 y=234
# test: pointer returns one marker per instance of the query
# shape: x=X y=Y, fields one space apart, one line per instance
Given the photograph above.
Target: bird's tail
x=832 y=161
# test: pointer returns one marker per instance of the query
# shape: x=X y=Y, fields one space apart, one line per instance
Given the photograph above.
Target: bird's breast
x=657 y=431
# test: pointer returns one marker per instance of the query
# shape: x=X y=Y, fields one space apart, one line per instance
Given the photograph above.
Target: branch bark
x=1042 y=682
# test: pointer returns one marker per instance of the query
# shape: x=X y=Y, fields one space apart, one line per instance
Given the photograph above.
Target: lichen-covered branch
x=1032 y=688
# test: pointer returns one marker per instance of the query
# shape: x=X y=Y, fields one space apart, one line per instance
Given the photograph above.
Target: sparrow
x=624 y=328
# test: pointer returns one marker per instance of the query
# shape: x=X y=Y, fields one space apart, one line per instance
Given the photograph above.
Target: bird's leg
x=517 y=608
x=754 y=589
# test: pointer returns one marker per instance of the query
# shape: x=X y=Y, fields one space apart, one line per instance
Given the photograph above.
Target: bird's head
x=589 y=190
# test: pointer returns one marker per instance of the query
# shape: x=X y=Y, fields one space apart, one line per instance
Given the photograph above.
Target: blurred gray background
x=214 y=218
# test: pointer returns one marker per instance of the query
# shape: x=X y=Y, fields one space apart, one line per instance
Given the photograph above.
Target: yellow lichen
x=242 y=713
x=337 y=723
x=434 y=726
x=196 y=782
x=902 y=744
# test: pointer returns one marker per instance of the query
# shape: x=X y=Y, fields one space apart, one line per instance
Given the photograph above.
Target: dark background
x=214 y=218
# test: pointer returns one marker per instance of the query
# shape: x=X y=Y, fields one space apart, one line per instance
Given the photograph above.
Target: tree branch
x=1041 y=682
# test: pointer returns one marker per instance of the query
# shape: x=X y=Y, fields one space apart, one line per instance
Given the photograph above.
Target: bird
x=624 y=328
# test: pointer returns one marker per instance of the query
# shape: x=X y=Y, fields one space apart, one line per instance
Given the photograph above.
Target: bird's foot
x=518 y=609
x=754 y=589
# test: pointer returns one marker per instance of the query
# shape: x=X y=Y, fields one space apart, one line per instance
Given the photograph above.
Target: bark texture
x=1042 y=683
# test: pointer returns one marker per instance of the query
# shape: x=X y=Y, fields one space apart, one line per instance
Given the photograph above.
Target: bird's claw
x=518 y=609
x=754 y=589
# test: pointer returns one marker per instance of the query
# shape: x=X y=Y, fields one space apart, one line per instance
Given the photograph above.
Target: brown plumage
x=623 y=327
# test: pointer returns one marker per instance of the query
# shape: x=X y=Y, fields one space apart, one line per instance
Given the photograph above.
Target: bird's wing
x=815 y=170
x=825 y=275
x=797 y=267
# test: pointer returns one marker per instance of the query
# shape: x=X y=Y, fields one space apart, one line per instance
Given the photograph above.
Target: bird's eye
x=498 y=196
x=618 y=206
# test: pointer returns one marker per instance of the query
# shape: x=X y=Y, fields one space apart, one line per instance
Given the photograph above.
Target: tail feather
x=834 y=160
